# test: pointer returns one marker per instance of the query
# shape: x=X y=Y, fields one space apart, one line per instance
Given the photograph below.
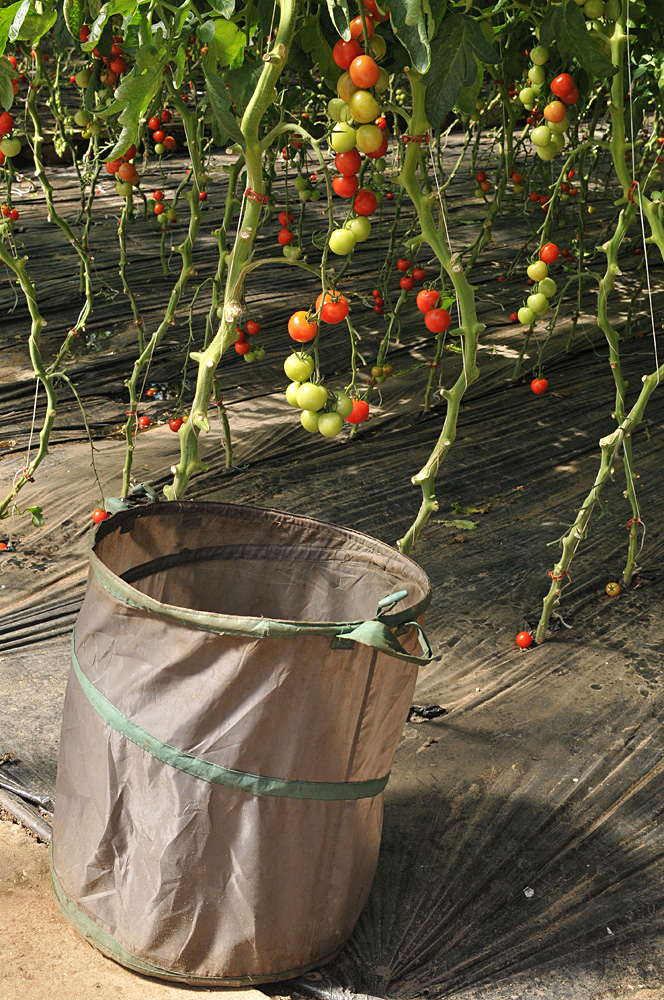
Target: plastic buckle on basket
x=387 y=603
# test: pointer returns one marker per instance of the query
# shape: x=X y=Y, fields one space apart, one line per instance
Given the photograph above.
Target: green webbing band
x=242 y=781
x=374 y=632
x=109 y=946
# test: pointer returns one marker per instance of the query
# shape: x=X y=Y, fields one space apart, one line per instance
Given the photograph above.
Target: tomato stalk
x=470 y=327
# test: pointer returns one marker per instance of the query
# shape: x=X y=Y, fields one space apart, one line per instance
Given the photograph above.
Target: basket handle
x=377 y=635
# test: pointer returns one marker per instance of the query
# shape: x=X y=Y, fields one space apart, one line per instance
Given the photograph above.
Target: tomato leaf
x=7 y=15
x=220 y=103
x=133 y=96
x=19 y=18
x=7 y=74
x=407 y=18
x=314 y=44
x=467 y=101
x=227 y=45
x=459 y=524
x=224 y=7
x=74 y=13
x=340 y=16
x=455 y=50
x=34 y=26
x=108 y=10
x=566 y=27
x=656 y=9
x=37 y=516
x=242 y=84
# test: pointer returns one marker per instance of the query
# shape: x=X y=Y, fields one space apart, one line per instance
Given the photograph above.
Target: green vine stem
x=260 y=101
x=470 y=327
x=122 y=239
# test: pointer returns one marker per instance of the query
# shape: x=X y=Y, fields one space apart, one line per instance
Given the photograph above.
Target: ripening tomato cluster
x=323 y=412
x=162 y=143
x=537 y=303
x=10 y=145
x=125 y=173
x=162 y=211
x=551 y=124
x=10 y=213
x=436 y=319
x=243 y=347
x=484 y=184
x=411 y=275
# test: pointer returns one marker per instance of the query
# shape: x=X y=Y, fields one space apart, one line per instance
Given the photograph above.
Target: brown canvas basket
x=235 y=701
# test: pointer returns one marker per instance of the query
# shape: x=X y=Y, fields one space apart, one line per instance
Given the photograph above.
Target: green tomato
x=82 y=78
x=81 y=117
x=291 y=392
x=329 y=424
x=342 y=404
x=260 y=353
x=124 y=189
x=342 y=138
x=304 y=196
x=526 y=316
x=309 y=420
x=291 y=252
x=612 y=9
x=559 y=127
x=360 y=228
x=537 y=271
x=301 y=183
x=163 y=220
x=298 y=367
x=377 y=46
x=369 y=138
x=10 y=147
x=336 y=109
x=380 y=165
x=547 y=153
x=538 y=303
x=314 y=195
x=537 y=75
x=527 y=96
x=159 y=148
x=593 y=8
x=559 y=142
x=342 y=241
x=541 y=135
x=384 y=81
x=94 y=128
x=547 y=287
x=364 y=107
x=170 y=214
x=249 y=357
x=85 y=134
x=539 y=55
x=311 y=396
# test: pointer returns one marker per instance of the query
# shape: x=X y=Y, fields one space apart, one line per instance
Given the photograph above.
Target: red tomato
x=364 y=72
x=359 y=413
x=533 y=196
x=169 y=143
x=301 y=328
x=154 y=124
x=112 y=166
x=437 y=320
x=175 y=424
x=285 y=237
x=285 y=218
x=159 y=135
x=381 y=123
x=480 y=176
x=539 y=386
x=131 y=153
x=516 y=177
x=84 y=34
x=356 y=28
x=159 y=209
x=549 y=253
x=126 y=171
x=564 y=87
x=157 y=195
x=6 y=123
x=514 y=318
x=99 y=515
x=334 y=309
x=202 y=195
x=343 y=52
x=390 y=195
x=419 y=274
x=373 y=9
x=403 y=264
x=406 y=283
x=252 y=327
x=118 y=65
x=486 y=186
x=242 y=347
x=348 y=162
x=365 y=202
x=166 y=117
x=524 y=640
x=378 y=309
x=345 y=185
x=144 y=421
x=427 y=299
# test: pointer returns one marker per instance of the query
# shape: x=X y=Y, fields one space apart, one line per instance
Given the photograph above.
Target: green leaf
x=656 y=9
x=74 y=12
x=7 y=74
x=108 y=10
x=227 y=46
x=454 y=54
x=37 y=516
x=459 y=524
x=467 y=102
x=134 y=95
x=315 y=45
x=340 y=16
x=19 y=18
x=7 y=15
x=35 y=25
x=566 y=27
x=180 y=62
x=220 y=103
x=242 y=84
x=224 y=7
x=408 y=24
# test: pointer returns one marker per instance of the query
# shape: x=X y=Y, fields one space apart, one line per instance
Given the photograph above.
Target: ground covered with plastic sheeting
x=521 y=853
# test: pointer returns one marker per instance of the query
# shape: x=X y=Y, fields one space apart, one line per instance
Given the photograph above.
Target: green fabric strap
x=373 y=632
x=253 y=784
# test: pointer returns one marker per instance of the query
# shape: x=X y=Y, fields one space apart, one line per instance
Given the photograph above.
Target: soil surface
x=42 y=956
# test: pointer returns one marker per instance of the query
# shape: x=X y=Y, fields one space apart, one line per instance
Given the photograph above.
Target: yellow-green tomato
x=538 y=303
x=537 y=75
x=593 y=8
x=377 y=46
x=539 y=55
x=342 y=404
x=11 y=147
x=124 y=189
x=336 y=109
x=547 y=153
x=94 y=128
x=310 y=396
x=314 y=195
x=518 y=189
x=364 y=107
x=81 y=117
x=537 y=271
x=559 y=142
x=345 y=87
x=547 y=287
x=559 y=127
x=360 y=228
x=291 y=393
x=383 y=82
x=380 y=165
x=342 y=138
x=329 y=424
x=369 y=138
x=298 y=367
x=527 y=96
x=342 y=241
x=526 y=316
x=541 y=135
x=82 y=78
x=309 y=420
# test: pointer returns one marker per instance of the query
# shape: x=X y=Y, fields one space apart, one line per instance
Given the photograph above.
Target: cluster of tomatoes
x=548 y=126
x=9 y=213
x=244 y=347
x=164 y=213
x=537 y=303
x=10 y=145
x=411 y=275
x=125 y=172
x=162 y=143
x=322 y=412
x=115 y=66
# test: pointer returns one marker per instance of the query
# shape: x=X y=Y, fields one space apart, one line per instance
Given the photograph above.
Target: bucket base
x=108 y=946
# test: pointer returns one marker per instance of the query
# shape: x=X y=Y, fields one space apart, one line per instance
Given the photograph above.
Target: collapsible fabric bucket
x=231 y=717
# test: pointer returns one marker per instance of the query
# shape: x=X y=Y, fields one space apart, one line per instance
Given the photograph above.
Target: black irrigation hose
x=27 y=816
x=322 y=989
